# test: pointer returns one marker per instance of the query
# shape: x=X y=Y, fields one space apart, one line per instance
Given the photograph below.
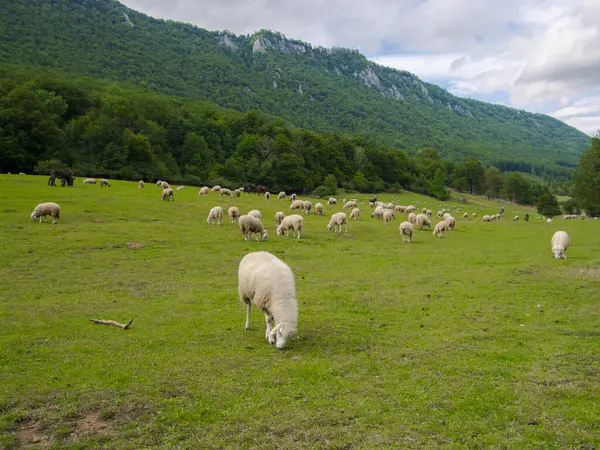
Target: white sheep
x=297 y=204
x=89 y=181
x=215 y=214
x=233 y=214
x=293 y=198
x=336 y=222
x=439 y=228
x=486 y=218
x=167 y=194
x=406 y=229
x=350 y=204
x=388 y=216
x=412 y=218
x=179 y=188
x=293 y=222
x=249 y=224
x=474 y=215
x=255 y=213
x=267 y=196
x=466 y=216
x=203 y=190
x=281 y=196
x=141 y=184
x=451 y=221
x=446 y=215
x=241 y=189
x=516 y=218
x=278 y=218
x=46 y=209
x=267 y=282
x=104 y=182
x=560 y=243
x=307 y=207
x=224 y=191
x=332 y=201
x=165 y=185
x=423 y=221
x=319 y=208
x=237 y=193
x=378 y=212
x=216 y=188
x=22 y=173
x=549 y=220
x=159 y=183
x=355 y=214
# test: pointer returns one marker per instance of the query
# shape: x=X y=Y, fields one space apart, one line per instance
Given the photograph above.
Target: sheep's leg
x=268 y=320
x=346 y=225
x=247 y=327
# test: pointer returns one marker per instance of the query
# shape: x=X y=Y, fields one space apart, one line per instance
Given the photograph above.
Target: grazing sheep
x=560 y=243
x=104 y=182
x=297 y=204
x=216 y=188
x=516 y=218
x=215 y=214
x=486 y=218
x=446 y=215
x=440 y=214
x=439 y=228
x=307 y=207
x=250 y=224
x=451 y=221
x=21 y=173
x=278 y=218
x=474 y=215
x=388 y=216
x=241 y=189
x=233 y=214
x=423 y=221
x=332 y=201
x=203 y=190
x=179 y=188
x=319 y=208
x=378 y=212
x=355 y=214
x=336 y=222
x=412 y=218
x=89 y=181
x=224 y=191
x=267 y=282
x=350 y=204
x=549 y=220
x=293 y=197
x=159 y=183
x=141 y=184
x=293 y=222
x=406 y=229
x=46 y=209
x=281 y=196
x=267 y=196
x=237 y=193
x=165 y=185
x=466 y=216
x=168 y=194
x=255 y=213
x=344 y=201
x=399 y=208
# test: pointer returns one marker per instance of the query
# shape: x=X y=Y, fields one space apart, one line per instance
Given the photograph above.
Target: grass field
x=481 y=340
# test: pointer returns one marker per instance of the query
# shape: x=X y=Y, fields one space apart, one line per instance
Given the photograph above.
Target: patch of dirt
x=135 y=245
x=352 y=236
x=589 y=273
x=28 y=433
x=10 y=210
x=92 y=422
x=99 y=221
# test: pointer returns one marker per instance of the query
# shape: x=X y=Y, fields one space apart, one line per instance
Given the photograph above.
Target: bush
x=47 y=166
x=547 y=205
x=323 y=191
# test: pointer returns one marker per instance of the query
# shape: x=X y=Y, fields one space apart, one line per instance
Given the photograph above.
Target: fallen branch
x=112 y=322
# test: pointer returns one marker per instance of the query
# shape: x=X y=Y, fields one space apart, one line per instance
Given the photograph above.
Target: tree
x=472 y=171
x=438 y=186
x=586 y=180
x=493 y=182
x=547 y=205
x=330 y=183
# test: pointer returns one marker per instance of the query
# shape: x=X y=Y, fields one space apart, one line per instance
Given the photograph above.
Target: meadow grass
x=481 y=340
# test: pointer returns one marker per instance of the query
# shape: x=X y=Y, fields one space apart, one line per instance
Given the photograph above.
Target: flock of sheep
x=267 y=282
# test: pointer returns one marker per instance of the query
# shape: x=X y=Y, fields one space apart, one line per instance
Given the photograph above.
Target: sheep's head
x=34 y=217
x=330 y=226
x=282 y=332
x=557 y=253
x=264 y=235
x=279 y=230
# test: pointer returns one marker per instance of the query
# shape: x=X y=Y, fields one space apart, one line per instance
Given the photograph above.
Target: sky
x=537 y=55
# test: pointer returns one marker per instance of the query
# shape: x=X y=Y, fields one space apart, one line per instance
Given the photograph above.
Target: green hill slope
x=321 y=89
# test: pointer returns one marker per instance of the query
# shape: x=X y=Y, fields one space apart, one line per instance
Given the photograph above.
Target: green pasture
x=481 y=340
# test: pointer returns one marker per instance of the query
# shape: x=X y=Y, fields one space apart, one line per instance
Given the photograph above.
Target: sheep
x=255 y=213
x=89 y=181
x=344 y=201
x=179 y=188
x=389 y=206
x=516 y=218
x=319 y=208
x=466 y=216
x=233 y=214
x=350 y=204
x=203 y=190
x=104 y=182
x=399 y=208
x=165 y=185
x=278 y=218
x=388 y=216
x=241 y=189
x=21 y=173
x=474 y=215
x=423 y=221
x=216 y=188
x=281 y=196
x=412 y=218
x=486 y=218
x=168 y=194
x=336 y=222
x=141 y=184
x=293 y=198
x=46 y=209
x=446 y=215
x=250 y=224
x=332 y=201
x=267 y=196
x=429 y=213
x=307 y=207
x=560 y=243
x=215 y=214
x=451 y=221
x=355 y=214
x=159 y=183
x=237 y=193
x=378 y=213
x=549 y=220
x=293 y=222
x=267 y=282
x=406 y=229
x=410 y=208
x=224 y=191
x=297 y=204
x=424 y=211
x=439 y=228
x=440 y=214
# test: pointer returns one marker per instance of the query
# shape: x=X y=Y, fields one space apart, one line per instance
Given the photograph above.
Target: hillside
x=312 y=87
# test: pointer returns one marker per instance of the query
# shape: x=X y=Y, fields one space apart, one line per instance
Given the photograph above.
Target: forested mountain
x=311 y=87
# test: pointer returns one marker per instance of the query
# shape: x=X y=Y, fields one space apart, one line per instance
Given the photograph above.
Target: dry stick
x=112 y=322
